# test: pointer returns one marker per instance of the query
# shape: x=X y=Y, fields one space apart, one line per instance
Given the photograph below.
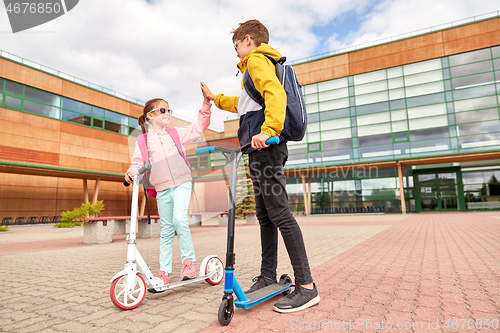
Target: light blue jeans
x=173 y=206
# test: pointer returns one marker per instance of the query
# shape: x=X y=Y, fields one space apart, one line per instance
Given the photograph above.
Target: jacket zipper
x=166 y=159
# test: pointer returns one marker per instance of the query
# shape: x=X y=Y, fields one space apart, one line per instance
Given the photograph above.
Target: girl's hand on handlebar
x=129 y=177
x=259 y=141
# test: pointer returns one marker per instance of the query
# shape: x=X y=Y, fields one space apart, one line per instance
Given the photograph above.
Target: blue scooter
x=244 y=301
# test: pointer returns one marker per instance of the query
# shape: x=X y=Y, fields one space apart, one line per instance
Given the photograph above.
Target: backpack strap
x=143 y=146
x=175 y=136
x=250 y=87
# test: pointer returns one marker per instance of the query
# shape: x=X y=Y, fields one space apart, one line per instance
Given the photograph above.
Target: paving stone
x=454 y=310
x=373 y=309
x=428 y=301
x=345 y=312
x=127 y=324
x=413 y=268
x=402 y=305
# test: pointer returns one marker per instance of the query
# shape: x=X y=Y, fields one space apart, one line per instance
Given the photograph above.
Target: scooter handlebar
x=144 y=168
x=204 y=150
x=273 y=141
x=211 y=149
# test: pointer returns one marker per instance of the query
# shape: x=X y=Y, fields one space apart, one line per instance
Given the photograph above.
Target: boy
x=266 y=164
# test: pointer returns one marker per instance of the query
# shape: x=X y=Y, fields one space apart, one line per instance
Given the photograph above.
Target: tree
x=245 y=196
x=494 y=186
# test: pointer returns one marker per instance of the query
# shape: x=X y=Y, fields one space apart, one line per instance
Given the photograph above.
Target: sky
x=164 y=48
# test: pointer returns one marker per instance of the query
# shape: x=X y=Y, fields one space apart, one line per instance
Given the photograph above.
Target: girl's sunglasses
x=162 y=111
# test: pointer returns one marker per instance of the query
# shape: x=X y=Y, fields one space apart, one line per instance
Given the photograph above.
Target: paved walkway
x=375 y=273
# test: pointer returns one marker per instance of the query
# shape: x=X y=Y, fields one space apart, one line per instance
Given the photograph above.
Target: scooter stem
x=133 y=222
x=231 y=212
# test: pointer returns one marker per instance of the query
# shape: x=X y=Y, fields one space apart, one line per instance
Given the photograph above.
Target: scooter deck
x=179 y=283
x=262 y=295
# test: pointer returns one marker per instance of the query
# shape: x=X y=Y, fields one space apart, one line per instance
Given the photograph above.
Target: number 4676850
x=32 y=7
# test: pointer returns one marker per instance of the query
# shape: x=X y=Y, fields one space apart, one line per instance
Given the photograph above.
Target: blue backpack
x=295 y=125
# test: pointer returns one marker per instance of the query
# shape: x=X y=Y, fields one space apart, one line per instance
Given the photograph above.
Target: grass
x=68 y=224
x=4 y=229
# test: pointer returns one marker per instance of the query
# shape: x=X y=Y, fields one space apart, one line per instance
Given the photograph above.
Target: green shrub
x=70 y=215
x=4 y=228
x=92 y=209
x=85 y=210
x=68 y=224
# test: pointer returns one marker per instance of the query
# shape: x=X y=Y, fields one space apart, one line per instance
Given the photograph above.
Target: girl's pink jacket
x=169 y=169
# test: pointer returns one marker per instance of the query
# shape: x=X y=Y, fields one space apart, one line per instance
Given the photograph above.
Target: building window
x=35 y=101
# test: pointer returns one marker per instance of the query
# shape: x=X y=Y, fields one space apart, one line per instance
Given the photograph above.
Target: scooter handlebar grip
x=144 y=168
x=204 y=150
x=273 y=141
x=125 y=183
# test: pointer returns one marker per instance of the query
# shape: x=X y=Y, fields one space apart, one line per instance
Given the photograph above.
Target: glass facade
x=482 y=188
x=368 y=190
x=31 y=100
x=438 y=107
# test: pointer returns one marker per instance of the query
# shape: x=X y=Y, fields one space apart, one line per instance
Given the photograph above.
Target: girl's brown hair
x=150 y=105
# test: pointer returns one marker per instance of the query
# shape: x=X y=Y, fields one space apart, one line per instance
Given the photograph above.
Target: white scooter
x=128 y=287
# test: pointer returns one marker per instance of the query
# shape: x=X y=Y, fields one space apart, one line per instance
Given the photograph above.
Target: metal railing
x=399 y=37
x=32 y=220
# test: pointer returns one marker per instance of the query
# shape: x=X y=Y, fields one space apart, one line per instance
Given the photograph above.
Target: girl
x=171 y=178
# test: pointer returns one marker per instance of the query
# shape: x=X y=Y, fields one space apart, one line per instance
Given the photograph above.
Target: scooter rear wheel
x=127 y=299
x=213 y=263
x=226 y=312
x=285 y=279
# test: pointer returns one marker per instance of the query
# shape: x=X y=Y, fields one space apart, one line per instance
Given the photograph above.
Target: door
x=439 y=190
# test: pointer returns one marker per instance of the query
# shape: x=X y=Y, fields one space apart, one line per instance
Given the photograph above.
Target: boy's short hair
x=253 y=28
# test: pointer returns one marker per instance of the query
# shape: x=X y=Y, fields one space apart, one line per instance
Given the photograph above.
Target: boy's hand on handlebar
x=259 y=141
x=129 y=177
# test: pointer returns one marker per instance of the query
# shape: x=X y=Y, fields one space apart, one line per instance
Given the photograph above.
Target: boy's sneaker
x=300 y=299
x=260 y=282
x=164 y=277
x=188 y=271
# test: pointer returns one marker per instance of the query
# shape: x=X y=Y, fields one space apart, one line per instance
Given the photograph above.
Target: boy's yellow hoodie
x=263 y=74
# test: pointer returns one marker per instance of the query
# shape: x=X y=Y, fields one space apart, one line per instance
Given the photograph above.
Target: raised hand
x=207 y=94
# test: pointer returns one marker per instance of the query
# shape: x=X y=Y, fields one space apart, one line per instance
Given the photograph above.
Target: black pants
x=273 y=213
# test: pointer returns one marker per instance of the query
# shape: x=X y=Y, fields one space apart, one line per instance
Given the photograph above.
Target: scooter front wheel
x=210 y=265
x=124 y=298
x=226 y=311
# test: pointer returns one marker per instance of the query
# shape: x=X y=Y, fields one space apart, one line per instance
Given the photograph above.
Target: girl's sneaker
x=164 y=277
x=188 y=271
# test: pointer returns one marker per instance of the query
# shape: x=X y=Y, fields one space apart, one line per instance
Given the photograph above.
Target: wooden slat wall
x=29 y=156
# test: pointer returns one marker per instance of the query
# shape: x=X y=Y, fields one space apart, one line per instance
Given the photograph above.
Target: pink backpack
x=143 y=146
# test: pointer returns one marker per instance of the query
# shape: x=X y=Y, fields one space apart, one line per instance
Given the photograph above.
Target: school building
x=410 y=125
x=64 y=142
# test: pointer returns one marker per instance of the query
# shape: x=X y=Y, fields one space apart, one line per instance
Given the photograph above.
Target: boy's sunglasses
x=162 y=111
x=238 y=42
